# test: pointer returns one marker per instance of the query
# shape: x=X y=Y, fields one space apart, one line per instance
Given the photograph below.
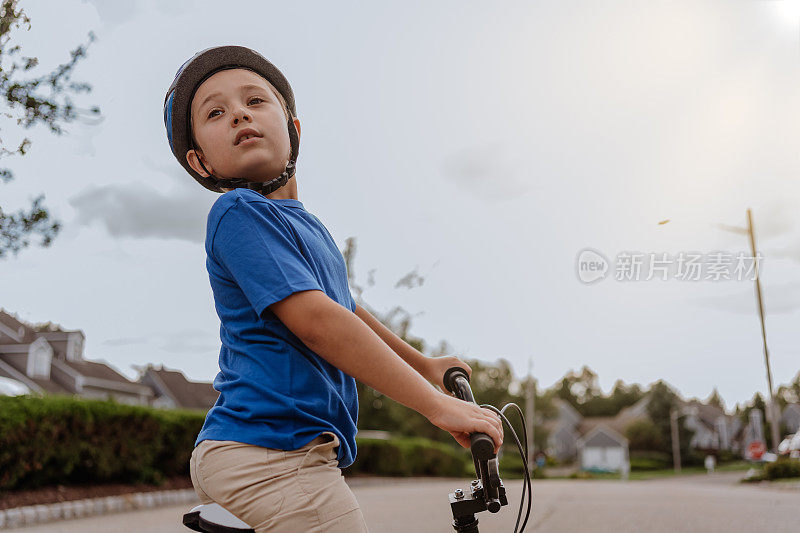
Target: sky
x=481 y=146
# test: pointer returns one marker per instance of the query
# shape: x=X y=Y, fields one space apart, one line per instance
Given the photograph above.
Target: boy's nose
x=244 y=117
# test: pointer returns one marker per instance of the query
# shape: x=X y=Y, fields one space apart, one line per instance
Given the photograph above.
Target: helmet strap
x=272 y=185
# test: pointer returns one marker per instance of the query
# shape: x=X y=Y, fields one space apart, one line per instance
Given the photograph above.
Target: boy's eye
x=255 y=98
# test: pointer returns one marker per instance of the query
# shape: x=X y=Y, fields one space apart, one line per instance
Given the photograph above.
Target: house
x=712 y=429
x=710 y=425
x=172 y=390
x=596 y=442
x=790 y=418
x=563 y=431
x=602 y=448
x=48 y=359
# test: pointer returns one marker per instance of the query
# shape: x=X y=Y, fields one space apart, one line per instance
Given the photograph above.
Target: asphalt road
x=686 y=504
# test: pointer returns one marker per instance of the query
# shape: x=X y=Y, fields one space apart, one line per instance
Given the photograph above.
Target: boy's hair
x=177 y=106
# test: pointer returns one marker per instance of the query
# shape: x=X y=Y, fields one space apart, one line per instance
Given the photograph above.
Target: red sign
x=755 y=450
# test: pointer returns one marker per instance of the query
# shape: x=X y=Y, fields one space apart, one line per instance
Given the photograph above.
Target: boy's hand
x=460 y=418
x=436 y=367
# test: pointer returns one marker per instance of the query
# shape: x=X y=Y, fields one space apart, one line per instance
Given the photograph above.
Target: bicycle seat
x=213 y=518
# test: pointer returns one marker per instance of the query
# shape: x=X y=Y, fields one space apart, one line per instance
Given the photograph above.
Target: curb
x=43 y=513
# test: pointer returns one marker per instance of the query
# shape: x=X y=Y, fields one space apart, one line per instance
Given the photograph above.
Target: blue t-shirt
x=273 y=390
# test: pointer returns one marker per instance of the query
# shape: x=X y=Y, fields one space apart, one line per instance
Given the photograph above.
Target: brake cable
x=487 y=491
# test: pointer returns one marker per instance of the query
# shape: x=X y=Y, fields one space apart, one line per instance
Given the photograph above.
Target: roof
x=602 y=436
x=14 y=330
x=590 y=423
x=708 y=414
x=187 y=394
x=98 y=370
x=50 y=386
x=633 y=412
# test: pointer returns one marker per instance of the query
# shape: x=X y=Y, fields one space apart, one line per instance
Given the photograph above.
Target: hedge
x=644 y=461
x=782 y=468
x=63 y=440
x=409 y=456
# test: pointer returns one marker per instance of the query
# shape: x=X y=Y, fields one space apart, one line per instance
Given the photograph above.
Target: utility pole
x=676 y=445
x=773 y=419
x=529 y=411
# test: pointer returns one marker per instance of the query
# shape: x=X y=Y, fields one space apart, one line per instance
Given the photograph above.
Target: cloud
x=143 y=212
x=488 y=169
x=114 y=13
x=779 y=298
x=124 y=341
x=191 y=341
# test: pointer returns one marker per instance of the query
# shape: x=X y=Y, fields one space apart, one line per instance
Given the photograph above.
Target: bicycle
x=486 y=492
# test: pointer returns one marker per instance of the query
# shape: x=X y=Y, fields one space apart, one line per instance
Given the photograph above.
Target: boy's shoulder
x=229 y=199
x=236 y=202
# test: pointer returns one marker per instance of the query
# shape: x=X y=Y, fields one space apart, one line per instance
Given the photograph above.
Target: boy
x=293 y=339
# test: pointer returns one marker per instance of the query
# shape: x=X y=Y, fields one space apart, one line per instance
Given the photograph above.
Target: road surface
x=686 y=504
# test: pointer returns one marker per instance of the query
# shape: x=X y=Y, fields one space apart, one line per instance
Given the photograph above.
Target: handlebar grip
x=456 y=380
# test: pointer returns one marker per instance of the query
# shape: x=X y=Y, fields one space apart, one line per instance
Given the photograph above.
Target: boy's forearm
x=344 y=340
x=408 y=353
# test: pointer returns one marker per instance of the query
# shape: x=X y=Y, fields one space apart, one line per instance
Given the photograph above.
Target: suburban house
x=563 y=432
x=602 y=448
x=47 y=359
x=790 y=418
x=713 y=430
x=172 y=390
x=596 y=442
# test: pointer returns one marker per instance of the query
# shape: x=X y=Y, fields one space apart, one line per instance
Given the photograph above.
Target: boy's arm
x=431 y=368
x=344 y=340
x=408 y=353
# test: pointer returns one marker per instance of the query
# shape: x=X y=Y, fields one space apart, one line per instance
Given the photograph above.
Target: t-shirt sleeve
x=352 y=301
x=256 y=246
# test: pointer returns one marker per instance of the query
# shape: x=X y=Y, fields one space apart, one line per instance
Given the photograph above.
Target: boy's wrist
x=424 y=366
x=431 y=405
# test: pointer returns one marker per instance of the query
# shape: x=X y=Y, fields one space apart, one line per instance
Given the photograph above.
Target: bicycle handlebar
x=456 y=380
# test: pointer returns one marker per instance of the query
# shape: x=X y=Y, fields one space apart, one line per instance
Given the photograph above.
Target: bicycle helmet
x=177 y=105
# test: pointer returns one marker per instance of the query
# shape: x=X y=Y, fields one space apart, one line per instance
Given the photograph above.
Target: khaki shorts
x=279 y=491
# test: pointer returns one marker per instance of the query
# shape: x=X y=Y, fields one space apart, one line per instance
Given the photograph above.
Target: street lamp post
x=771 y=409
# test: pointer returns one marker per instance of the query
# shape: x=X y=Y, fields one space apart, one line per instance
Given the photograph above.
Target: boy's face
x=226 y=104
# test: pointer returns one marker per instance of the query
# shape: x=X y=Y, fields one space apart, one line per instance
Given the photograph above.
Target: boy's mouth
x=245 y=134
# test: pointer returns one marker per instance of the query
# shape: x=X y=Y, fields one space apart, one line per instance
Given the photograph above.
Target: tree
x=643 y=435
x=757 y=403
x=715 y=399
x=662 y=400
x=582 y=391
x=44 y=99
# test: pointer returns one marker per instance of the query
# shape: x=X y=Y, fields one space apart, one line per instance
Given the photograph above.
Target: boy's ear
x=193 y=157
x=297 y=125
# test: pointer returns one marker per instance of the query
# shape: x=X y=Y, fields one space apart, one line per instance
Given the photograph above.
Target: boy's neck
x=287 y=192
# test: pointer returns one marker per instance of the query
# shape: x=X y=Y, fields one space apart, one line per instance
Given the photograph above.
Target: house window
x=75 y=347
x=39 y=364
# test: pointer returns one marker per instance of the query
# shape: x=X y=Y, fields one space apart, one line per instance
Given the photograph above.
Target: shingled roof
x=185 y=393
x=98 y=370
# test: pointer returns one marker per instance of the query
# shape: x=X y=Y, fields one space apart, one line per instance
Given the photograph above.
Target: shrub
x=62 y=440
x=782 y=468
x=644 y=435
x=642 y=461
x=408 y=456
x=65 y=440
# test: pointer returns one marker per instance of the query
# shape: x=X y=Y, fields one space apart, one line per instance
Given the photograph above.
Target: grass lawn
x=638 y=475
